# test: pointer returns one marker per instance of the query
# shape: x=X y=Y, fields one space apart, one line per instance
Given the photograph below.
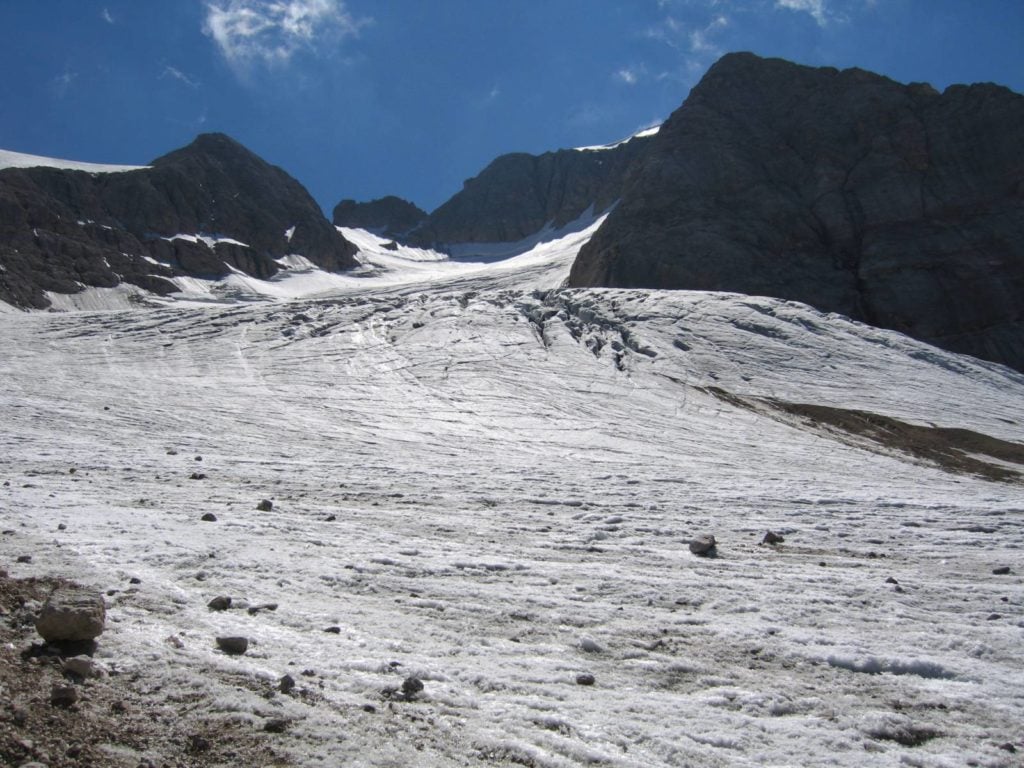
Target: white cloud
x=627 y=75
x=106 y=16
x=701 y=39
x=272 y=31
x=177 y=74
x=816 y=8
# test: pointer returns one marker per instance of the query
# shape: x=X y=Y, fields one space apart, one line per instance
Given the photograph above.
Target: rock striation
x=893 y=204
x=200 y=211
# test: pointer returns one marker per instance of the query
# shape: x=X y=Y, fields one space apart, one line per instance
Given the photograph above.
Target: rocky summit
x=893 y=204
x=202 y=211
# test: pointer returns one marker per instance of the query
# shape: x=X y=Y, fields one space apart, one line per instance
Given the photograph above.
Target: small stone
x=73 y=751
x=772 y=538
x=233 y=644
x=19 y=716
x=703 y=546
x=993 y=617
x=1001 y=570
x=265 y=506
x=61 y=527
x=369 y=708
x=286 y=684
x=171 y=452
x=1008 y=747
x=331 y=518
x=197 y=476
x=199 y=458
x=72 y=471
x=134 y=580
x=585 y=680
x=219 y=603
x=24 y=558
x=891 y=580
x=590 y=645
x=411 y=686
x=119 y=706
x=72 y=614
x=63 y=695
x=84 y=667
x=276 y=725
x=209 y=517
x=254 y=609
x=334 y=630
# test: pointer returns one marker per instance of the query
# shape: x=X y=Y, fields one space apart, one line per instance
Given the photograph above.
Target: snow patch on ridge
x=209 y=240
x=639 y=135
x=9 y=159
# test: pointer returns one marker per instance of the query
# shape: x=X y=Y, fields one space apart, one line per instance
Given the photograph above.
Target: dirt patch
x=955 y=450
x=113 y=723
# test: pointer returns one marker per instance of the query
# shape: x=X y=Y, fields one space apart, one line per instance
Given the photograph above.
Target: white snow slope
x=493 y=488
x=9 y=159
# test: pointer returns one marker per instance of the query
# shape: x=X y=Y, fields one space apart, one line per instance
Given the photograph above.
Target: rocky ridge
x=203 y=211
x=514 y=197
x=892 y=204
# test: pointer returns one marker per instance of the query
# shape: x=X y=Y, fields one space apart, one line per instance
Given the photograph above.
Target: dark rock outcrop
x=893 y=204
x=514 y=197
x=61 y=230
x=389 y=216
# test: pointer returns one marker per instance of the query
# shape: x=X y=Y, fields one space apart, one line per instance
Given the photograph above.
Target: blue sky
x=362 y=98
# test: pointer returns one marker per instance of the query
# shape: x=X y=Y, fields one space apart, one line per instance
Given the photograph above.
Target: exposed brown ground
x=955 y=450
x=113 y=723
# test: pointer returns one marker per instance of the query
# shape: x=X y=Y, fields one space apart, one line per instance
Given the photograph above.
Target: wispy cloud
x=816 y=8
x=176 y=74
x=702 y=40
x=629 y=75
x=107 y=16
x=272 y=31
x=62 y=83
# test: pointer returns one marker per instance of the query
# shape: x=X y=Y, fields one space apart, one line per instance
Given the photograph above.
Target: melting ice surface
x=489 y=482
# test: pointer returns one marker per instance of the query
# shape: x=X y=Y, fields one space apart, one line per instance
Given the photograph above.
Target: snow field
x=513 y=473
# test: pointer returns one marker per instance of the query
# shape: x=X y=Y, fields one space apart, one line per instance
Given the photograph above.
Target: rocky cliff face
x=389 y=216
x=514 y=197
x=893 y=204
x=61 y=230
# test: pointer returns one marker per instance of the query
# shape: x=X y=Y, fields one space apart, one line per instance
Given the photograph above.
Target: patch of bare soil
x=113 y=722
x=954 y=450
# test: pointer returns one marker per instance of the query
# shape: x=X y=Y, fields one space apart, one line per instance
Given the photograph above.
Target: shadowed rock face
x=389 y=216
x=60 y=229
x=514 y=197
x=890 y=203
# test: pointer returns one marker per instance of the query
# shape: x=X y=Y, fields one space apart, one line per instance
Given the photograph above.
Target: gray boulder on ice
x=72 y=614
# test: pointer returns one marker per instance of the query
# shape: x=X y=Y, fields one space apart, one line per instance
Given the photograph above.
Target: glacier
x=488 y=482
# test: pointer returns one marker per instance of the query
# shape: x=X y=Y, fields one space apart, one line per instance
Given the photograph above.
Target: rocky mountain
x=892 y=204
x=202 y=211
x=514 y=197
x=389 y=216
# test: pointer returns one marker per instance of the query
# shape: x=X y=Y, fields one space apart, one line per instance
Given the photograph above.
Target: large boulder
x=892 y=204
x=72 y=614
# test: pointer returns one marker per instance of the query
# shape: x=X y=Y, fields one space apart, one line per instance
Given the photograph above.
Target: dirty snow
x=489 y=482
